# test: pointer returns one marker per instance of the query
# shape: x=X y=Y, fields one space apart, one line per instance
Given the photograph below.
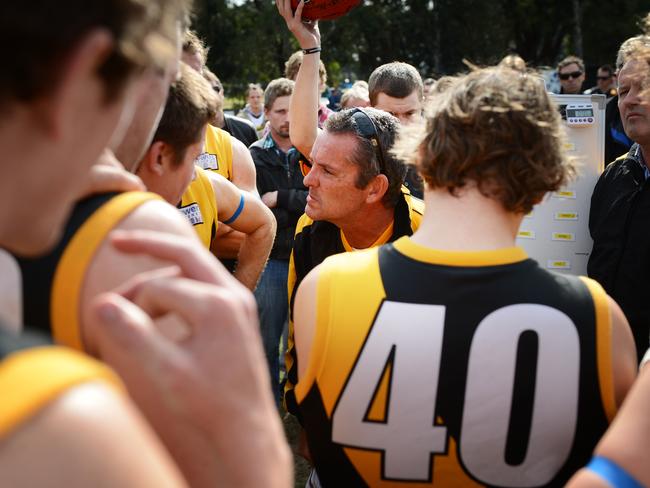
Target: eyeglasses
x=367 y=129
x=305 y=165
x=574 y=74
x=603 y=78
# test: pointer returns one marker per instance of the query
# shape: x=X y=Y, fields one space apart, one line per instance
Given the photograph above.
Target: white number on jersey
x=412 y=334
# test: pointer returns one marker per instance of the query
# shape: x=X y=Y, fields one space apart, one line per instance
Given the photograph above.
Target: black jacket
x=240 y=128
x=619 y=223
x=279 y=172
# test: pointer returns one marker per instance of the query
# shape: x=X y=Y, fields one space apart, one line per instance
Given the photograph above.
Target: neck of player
x=467 y=221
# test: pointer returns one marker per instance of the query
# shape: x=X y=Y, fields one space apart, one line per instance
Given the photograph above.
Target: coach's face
x=634 y=100
x=333 y=195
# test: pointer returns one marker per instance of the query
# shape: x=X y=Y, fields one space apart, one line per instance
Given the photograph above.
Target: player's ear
x=79 y=86
x=154 y=159
x=377 y=188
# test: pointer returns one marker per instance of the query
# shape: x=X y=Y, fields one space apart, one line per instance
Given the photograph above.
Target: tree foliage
x=250 y=43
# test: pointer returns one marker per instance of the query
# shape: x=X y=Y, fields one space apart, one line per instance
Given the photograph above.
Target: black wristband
x=311 y=50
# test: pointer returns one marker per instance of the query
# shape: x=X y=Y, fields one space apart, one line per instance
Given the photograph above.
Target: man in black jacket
x=279 y=182
x=620 y=204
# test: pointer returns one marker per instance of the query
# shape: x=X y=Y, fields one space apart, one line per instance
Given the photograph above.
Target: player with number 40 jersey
x=450 y=358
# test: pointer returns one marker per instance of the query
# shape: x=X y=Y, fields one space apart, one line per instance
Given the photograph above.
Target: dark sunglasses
x=367 y=129
x=566 y=76
x=603 y=78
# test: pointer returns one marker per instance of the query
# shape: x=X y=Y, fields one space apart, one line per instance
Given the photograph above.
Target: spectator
x=254 y=108
x=571 y=71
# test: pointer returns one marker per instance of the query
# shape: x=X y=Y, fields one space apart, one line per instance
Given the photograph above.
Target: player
x=450 y=358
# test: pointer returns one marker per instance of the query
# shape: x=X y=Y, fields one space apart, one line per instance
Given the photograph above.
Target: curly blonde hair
x=496 y=128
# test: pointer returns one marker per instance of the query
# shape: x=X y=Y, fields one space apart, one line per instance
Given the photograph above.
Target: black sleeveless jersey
x=456 y=369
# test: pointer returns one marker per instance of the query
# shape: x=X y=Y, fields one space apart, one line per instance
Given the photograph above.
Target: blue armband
x=612 y=473
x=237 y=212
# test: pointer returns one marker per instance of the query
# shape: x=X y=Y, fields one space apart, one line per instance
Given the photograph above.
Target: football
x=325 y=9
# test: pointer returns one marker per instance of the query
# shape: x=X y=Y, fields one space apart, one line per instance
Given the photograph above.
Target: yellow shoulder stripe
x=32 y=378
x=71 y=270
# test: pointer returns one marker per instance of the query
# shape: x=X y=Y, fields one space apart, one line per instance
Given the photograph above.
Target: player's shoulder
x=351 y=263
x=156 y=215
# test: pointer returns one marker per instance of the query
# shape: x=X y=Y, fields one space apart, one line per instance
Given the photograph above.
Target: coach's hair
x=397 y=80
x=280 y=87
x=38 y=36
x=496 y=128
x=365 y=155
x=191 y=104
x=293 y=64
x=571 y=60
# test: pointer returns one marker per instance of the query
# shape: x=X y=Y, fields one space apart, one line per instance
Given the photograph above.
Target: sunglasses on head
x=574 y=74
x=367 y=129
x=364 y=127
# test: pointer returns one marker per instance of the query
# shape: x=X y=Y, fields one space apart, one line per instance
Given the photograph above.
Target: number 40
x=409 y=438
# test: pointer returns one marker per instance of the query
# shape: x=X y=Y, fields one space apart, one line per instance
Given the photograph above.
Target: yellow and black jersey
x=199 y=205
x=32 y=376
x=315 y=241
x=52 y=283
x=454 y=369
x=217 y=152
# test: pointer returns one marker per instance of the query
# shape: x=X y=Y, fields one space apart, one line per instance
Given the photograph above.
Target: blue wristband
x=612 y=473
x=237 y=212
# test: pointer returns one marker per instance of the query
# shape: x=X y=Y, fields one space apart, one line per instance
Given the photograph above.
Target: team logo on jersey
x=208 y=161
x=193 y=213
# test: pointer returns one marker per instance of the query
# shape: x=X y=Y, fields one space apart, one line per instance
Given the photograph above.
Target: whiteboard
x=556 y=232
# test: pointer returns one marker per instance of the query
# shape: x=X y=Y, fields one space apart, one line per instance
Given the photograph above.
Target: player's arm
x=305 y=99
x=245 y=213
x=304 y=330
x=110 y=268
x=624 y=360
x=243 y=168
x=89 y=436
x=216 y=439
x=626 y=441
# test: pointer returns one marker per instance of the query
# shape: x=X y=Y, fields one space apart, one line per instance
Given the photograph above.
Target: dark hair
x=365 y=155
x=496 y=128
x=608 y=68
x=191 y=104
x=37 y=36
x=397 y=80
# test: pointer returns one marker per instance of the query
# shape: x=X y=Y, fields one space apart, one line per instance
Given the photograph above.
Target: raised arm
x=303 y=128
x=246 y=214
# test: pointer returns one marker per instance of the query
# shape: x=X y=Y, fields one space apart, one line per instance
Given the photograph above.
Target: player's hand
x=207 y=395
x=306 y=32
x=108 y=175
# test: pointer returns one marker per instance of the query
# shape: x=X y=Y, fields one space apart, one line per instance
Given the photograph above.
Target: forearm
x=304 y=105
x=227 y=242
x=253 y=254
